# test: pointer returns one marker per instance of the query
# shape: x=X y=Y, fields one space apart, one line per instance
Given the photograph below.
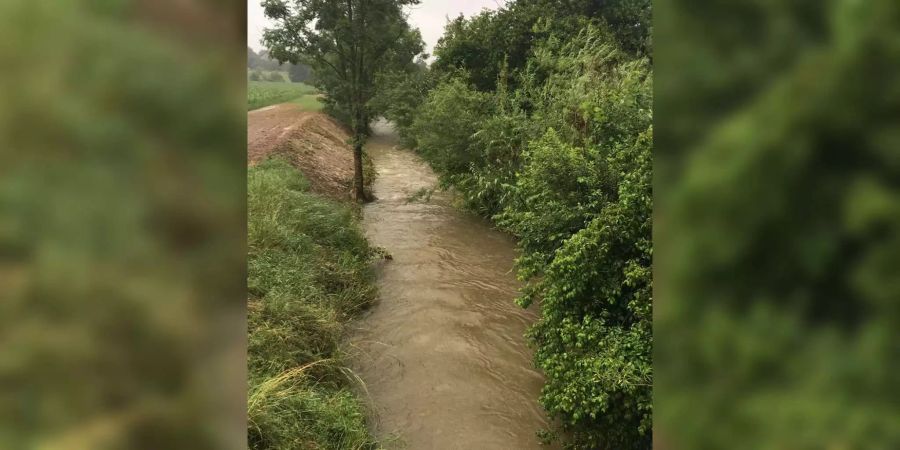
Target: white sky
x=429 y=16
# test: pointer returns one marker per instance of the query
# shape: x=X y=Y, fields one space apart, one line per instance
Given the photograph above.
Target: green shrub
x=472 y=138
x=274 y=76
x=446 y=123
x=584 y=227
x=309 y=272
x=498 y=142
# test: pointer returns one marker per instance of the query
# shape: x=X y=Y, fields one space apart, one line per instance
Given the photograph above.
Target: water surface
x=442 y=354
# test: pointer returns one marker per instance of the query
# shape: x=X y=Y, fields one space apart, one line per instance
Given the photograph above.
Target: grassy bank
x=309 y=273
x=265 y=93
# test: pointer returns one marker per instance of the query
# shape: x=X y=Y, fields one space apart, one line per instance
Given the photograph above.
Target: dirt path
x=443 y=355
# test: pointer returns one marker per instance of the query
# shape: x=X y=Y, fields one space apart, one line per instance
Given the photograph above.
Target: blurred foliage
x=776 y=224
x=122 y=224
x=309 y=272
x=549 y=133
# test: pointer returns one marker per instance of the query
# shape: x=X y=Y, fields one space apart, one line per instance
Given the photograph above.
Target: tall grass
x=309 y=272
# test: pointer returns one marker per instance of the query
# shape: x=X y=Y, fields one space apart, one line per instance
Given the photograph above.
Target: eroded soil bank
x=442 y=354
x=312 y=142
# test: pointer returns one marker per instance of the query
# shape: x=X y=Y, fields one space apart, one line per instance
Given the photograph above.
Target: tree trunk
x=358 y=185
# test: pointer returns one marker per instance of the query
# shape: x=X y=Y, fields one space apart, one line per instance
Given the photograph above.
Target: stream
x=442 y=354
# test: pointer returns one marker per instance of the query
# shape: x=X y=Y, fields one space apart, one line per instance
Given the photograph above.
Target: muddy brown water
x=442 y=354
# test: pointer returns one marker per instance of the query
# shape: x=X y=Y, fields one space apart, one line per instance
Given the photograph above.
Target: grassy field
x=308 y=274
x=265 y=93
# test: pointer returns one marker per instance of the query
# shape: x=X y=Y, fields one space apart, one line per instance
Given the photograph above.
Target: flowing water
x=443 y=355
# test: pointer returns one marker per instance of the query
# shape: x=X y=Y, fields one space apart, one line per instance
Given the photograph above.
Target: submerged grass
x=309 y=273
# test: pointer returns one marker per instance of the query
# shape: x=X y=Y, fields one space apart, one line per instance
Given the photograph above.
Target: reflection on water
x=443 y=354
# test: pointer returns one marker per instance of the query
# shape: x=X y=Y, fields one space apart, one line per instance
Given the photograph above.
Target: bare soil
x=312 y=141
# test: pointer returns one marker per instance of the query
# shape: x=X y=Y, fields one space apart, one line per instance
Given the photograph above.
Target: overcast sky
x=429 y=16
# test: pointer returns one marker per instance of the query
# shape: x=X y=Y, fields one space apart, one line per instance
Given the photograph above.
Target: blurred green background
x=122 y=224
x=777 y=207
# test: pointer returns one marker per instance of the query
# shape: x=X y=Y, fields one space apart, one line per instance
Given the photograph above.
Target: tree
x=299 y=73
x=253 y=59
x=347 y=43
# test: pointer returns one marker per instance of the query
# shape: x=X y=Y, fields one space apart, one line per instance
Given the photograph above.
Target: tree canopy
x=348 y=44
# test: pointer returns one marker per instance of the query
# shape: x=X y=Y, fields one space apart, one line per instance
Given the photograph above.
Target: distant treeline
x=260 y=63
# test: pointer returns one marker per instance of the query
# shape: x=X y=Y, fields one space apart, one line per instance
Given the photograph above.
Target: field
x=265 y=93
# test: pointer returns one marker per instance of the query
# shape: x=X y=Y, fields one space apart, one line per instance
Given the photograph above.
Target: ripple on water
x=442 y=353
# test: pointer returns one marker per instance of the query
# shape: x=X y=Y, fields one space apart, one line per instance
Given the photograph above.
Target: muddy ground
x=312 y=141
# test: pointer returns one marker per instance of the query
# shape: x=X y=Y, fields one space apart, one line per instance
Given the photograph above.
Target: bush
x=256 y=76
x=584 y=226
x=498 y=142
x=308 y=274
x=473 y=140
x=446 y=123
x=274 y=76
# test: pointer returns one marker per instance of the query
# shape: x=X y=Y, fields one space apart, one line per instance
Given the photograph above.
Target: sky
x=429 y=16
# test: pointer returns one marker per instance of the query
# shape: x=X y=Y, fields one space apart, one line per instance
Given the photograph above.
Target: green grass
x=265 y=93
x=308 y=102
x=309 y=273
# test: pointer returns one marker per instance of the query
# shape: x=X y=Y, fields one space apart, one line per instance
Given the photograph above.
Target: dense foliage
x=779 y=216
x=308 y=272
x=549 y=133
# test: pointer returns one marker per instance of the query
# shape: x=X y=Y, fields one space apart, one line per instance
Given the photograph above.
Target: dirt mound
x=313 y=142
